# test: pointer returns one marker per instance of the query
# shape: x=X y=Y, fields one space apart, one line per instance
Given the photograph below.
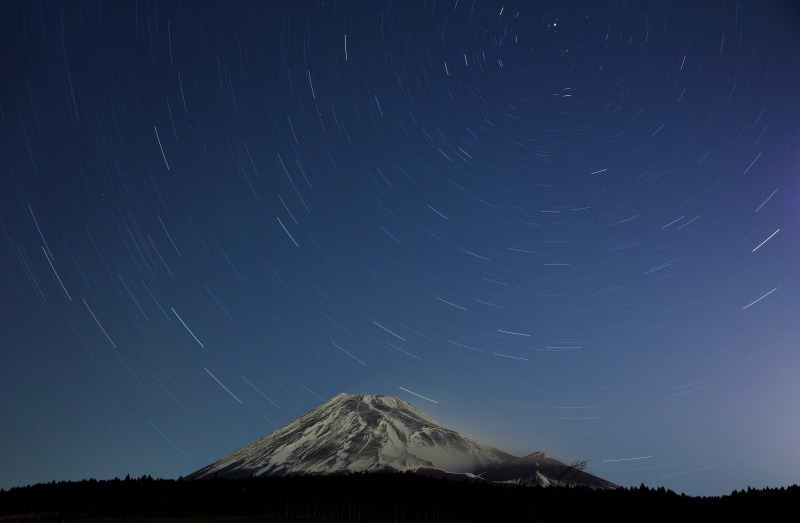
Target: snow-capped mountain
x=364 y=432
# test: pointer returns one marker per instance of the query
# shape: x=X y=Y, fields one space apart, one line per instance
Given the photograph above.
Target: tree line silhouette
x=375 y=498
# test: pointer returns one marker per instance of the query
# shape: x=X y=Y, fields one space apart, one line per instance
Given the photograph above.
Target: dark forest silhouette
x=383 y=497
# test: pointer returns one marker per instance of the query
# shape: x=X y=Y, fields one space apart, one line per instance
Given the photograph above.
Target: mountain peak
x=364 y=433
x=367 y=398
x=359 y=432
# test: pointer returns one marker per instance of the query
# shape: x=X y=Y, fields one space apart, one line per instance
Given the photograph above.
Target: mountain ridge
x=370 y=433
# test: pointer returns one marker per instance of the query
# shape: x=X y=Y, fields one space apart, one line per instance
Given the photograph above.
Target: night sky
x=561 y=226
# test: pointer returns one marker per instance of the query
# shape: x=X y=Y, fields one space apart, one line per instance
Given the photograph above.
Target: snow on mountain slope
x=366 y=433
x=539 y=469
x=360 y=432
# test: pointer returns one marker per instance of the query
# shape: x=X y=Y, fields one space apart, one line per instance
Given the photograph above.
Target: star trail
x=567 y=226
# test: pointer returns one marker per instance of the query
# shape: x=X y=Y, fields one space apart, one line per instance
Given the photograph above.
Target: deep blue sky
x=572 y=225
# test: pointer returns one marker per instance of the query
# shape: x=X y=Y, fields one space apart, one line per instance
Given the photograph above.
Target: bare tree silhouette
x=571 y=474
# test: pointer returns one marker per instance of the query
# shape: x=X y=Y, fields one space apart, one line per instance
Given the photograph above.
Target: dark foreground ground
x=376 y=498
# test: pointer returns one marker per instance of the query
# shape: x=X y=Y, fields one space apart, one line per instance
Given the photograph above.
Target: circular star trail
x=561 y=226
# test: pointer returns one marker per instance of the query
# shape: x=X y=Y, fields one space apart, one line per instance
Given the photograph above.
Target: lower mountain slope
x=539 y=469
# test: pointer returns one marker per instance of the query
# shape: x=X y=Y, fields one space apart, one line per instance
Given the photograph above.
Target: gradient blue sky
x=571 y=226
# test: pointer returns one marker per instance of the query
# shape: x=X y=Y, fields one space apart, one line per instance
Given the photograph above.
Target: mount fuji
x=373 y=433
